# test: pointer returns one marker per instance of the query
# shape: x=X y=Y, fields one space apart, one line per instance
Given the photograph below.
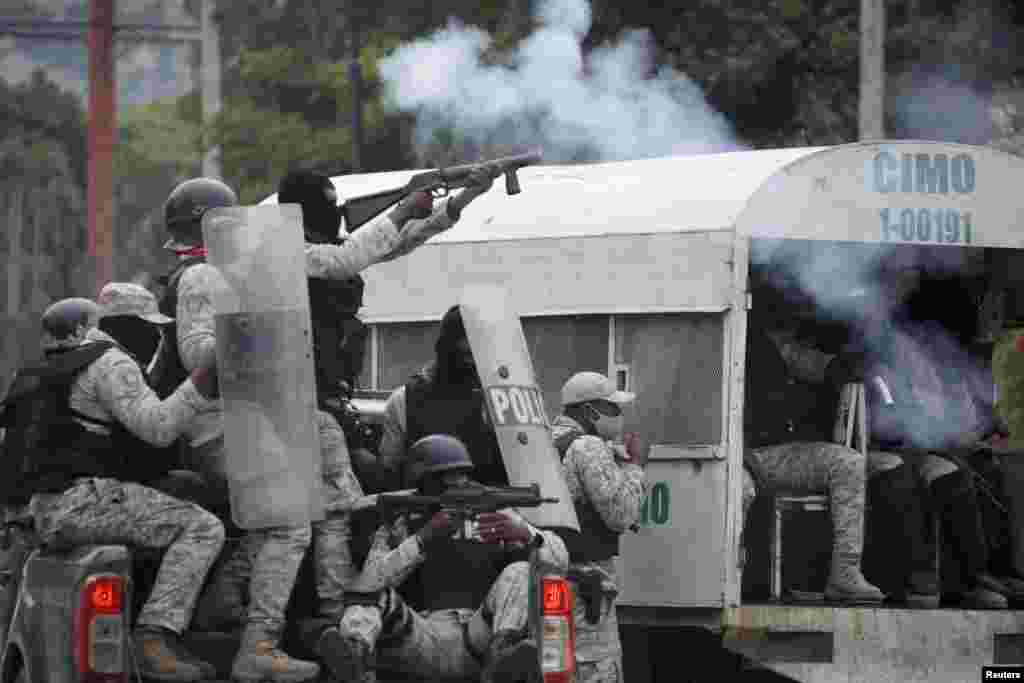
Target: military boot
x=511 y=658
x=348 y=658
x=923 y=590
x=261 y=660
x=847 y=585
x=162 y=657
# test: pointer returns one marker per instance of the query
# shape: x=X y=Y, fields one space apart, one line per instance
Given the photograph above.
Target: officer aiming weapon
x=439 y=183
x=464 y=504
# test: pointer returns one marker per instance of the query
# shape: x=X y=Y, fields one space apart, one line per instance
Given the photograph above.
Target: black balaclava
x=321 y=215
x=139 y=337
x=450 y=367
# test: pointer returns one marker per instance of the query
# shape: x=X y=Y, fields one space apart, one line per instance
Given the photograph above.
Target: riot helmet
x=322 y=214
x=184 y=209
x=65 y=322
x=435 y=454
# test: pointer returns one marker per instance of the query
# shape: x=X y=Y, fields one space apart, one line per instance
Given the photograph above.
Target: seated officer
x=129 y=314
x=475 y=615
x=791 y=394
x=84 y=489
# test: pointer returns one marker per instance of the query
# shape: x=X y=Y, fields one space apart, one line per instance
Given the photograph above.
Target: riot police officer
x=474 y=591
x=85 y=488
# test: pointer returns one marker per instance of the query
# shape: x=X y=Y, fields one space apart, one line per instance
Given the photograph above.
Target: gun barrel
x=504 y=163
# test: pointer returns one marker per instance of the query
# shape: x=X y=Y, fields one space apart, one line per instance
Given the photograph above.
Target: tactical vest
x=71 y=451
x=337 y=333
x=780 y=408
x=458 y=574
x=434 y=409
x=168 y=369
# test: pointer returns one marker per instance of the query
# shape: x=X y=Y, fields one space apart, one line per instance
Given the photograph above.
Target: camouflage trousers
x=816 y=467
x=227 y=599
x=878 y=462
x=444 y=643
x=98 y=511
x=254 y=583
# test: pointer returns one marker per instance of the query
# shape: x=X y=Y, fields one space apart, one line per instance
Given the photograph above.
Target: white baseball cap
x=593 y=386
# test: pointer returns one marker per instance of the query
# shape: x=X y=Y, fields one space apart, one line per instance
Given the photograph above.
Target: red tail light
x=100 y=630
x=558 y=653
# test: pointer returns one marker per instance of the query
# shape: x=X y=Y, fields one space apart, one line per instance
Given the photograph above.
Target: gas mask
x=608 y=427
x=138 y=337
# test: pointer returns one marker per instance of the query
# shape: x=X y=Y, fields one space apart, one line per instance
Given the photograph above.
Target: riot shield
x=515 y=404
x=265 y=364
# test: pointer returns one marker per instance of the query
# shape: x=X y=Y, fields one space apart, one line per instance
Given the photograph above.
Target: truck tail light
x=100 y=630
x=558 y=651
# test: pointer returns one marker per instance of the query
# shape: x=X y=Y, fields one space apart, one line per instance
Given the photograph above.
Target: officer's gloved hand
x=440 y=526
x=421 y=204
x=845 y=368
x=205 y=376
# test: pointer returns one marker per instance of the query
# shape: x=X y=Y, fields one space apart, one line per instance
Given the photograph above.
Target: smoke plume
x=611 y=104
x=942 y=391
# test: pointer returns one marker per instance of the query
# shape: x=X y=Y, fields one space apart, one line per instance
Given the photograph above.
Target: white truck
x=640 y=270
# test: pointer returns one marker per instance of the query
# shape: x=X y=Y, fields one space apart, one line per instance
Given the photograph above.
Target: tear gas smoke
x=938 y=104
x=864 y=287
x=612 y=104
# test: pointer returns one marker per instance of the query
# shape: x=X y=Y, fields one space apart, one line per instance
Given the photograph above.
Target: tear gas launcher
x=463 y=504
x=360 y=210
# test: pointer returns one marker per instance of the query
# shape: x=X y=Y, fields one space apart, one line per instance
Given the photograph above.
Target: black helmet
x=183 y=212
x=61 y=320
x=438 y=453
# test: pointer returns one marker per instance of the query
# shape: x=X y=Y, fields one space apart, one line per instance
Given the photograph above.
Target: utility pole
x=102 y=138
x=209 y=70
x=872 y=69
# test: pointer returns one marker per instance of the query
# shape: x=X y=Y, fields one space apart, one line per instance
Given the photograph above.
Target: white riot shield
x=265 y=364
x=515 y=403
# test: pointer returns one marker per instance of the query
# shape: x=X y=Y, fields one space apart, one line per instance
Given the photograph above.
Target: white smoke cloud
x=940 y=105
x=863 y=287
x=611 y=105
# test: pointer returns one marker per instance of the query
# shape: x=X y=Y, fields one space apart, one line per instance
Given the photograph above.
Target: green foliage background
x=785 y=73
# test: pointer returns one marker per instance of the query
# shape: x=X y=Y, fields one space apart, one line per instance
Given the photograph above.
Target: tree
x=42 y=200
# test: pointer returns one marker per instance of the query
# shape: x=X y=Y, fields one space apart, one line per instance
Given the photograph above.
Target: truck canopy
x=665 y=222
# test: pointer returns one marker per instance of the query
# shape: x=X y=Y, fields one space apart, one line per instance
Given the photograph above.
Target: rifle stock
x=360 y=210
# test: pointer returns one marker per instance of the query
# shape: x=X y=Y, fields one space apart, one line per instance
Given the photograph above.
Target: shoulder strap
x=169 y=301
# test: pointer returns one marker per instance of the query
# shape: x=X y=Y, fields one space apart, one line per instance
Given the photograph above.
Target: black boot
x=898 y=554
x=966 y=553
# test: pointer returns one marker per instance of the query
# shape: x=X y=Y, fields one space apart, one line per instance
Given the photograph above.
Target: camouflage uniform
x=226 y=598
x=445 y=643
x=99 y=510
x=276 y=553
x=617 y=492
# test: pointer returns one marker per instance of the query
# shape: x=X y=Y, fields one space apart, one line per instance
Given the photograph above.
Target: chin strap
x=189 y=252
